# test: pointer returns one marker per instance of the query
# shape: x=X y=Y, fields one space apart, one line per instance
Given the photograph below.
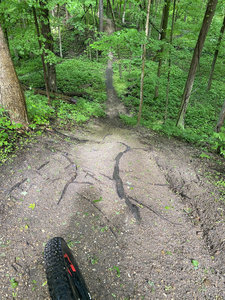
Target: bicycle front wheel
x=64 y=278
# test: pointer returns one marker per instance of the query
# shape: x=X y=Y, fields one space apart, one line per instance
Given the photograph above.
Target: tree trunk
x=59 y=33
x=42 y=55
x=112 y=13
x=210 y=10
x=221 y=119
x=11 y=95
x=165 y=17
x=101 y=15
x=169 y=64
x=46 y=32
x=124 y=11
x=216 y=54
x=143 y=64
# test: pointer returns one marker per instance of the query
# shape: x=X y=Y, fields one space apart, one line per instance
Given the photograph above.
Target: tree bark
x=59 y=33
x=11 y=95
x=210 y=10
x=169 y=64
x=221 y=119
x=216 y=54
x=46 y=32
x=143 y=64
x=165 y=17
x=42 y=55
x=124 y=11
x=101 y=15
x=112 y=13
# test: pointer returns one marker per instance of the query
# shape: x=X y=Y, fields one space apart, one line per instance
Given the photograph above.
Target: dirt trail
x=134 y=207
x=106 y=193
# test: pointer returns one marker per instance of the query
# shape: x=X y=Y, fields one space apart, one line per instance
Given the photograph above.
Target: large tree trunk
x=11 y=95
x=165 y=17
x=143 y=64
x=216 y=54
x=221 y=119
x=46 y=32
x=210 y=10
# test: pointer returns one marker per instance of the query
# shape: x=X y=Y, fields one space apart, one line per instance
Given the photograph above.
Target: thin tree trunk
x=101 y=15
x=112 y=13
x=46 y=32
x=42 y=55
x=165 y=17
x=59 y=34
x=124 y=11
x=221 y=119
x=169 y=64
x=67 y=15
x=210 y=10
x=216 y=54
x=11 y=95
x=143 y=64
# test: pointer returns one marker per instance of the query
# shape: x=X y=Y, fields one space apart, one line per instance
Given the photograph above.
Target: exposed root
x=119 y=186
x=66 y=187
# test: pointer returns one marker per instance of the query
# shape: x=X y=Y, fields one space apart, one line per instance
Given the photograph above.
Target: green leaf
x=195 y=263
x=32 y=206
x=97 y=200
x=13 y=283
x=44 y=283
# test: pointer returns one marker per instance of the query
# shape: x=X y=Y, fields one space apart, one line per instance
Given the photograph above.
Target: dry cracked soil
x=143 y=215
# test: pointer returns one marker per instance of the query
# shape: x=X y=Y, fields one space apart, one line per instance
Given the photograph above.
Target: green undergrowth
x=203 y=109
x=77 y=75
x=73 y=75
x=12 y=136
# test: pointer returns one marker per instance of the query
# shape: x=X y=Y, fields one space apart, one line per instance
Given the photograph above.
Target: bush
x=8 y=134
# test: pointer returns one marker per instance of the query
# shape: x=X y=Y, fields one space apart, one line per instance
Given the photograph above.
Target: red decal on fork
x=71 y=265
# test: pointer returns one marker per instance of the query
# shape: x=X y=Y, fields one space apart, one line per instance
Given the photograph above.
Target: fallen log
x=68 y=97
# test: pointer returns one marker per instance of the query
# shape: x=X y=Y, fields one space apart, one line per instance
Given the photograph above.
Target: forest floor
x=143 y=214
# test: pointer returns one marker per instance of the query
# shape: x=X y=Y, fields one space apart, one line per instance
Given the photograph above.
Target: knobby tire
x=65 y=281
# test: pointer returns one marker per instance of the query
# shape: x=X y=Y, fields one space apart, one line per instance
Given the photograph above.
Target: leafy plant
x=13 y=283
x=219 y=141
x=117 y=270
x=38 y=109
x=32 y=206
x=195 y=263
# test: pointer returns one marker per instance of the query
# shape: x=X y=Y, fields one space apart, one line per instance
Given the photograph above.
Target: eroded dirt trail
x=105 y=192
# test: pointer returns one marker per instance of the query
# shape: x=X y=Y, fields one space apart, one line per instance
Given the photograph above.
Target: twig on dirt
x=14 y=267
x=106 y=176
x=108 y=134
x=73 y=138
x=66 y=187
x=43 y=165
x=92 y=176
x=84 y=182
x=154 y=211
x=95 y=206
x=17 y=185
x=15 y=261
